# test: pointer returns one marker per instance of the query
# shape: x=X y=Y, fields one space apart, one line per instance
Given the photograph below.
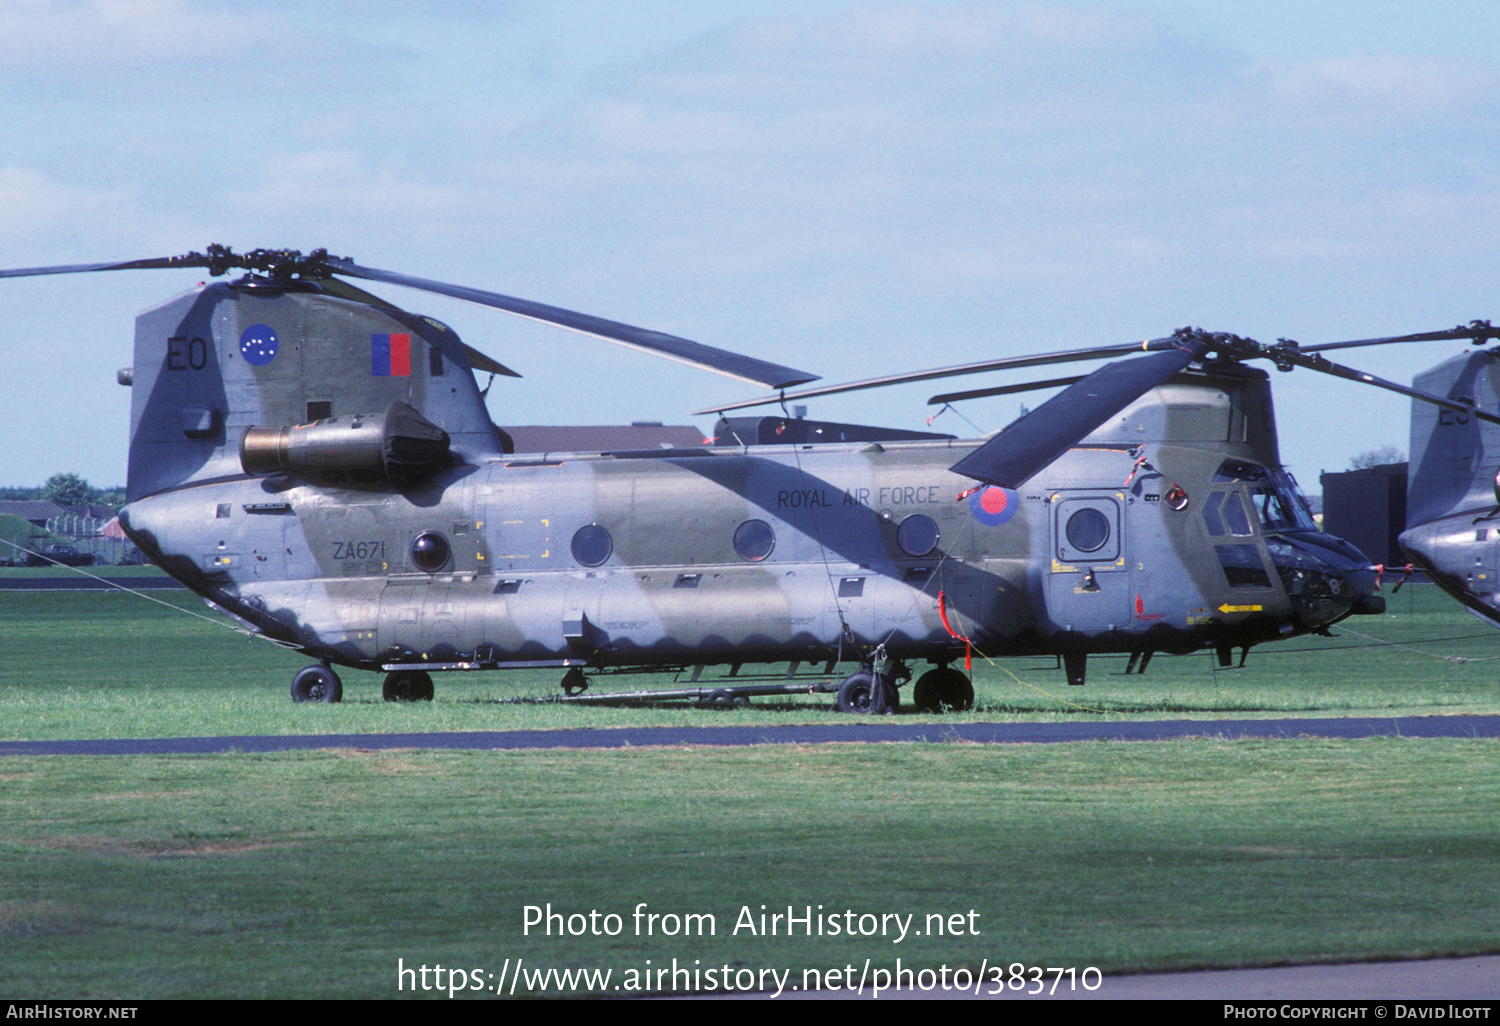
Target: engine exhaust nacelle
x=394 y=448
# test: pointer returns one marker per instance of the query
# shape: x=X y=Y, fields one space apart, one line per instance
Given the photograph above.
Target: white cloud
x=31 y=204
x=1395 y=87
x=112 y=51
x=857 y=190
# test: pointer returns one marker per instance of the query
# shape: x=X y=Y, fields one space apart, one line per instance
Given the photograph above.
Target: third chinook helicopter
x=319 y=464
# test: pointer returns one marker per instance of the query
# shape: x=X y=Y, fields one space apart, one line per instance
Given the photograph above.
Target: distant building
x=603 y=438
x=37 y=511
x=1367 y=508
x=801 y=431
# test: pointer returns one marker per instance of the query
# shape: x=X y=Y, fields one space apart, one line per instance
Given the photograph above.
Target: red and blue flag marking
x=390 y=356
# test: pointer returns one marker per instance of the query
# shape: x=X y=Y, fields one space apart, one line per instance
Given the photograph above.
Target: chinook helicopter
x=319 y=464
x=1453 y=495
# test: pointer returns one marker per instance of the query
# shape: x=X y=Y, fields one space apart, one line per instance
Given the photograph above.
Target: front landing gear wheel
x=407 y=686
x=855 y=693
x=317 y=683
x=942 y=690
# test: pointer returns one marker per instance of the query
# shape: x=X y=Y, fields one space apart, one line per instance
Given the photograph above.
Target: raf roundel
x=258 y=345
x=993 y=505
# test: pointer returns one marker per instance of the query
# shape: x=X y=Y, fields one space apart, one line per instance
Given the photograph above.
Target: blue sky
x=851 y=188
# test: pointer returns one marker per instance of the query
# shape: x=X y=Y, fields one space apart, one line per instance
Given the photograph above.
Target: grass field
x=116 y=665
x=312 y=874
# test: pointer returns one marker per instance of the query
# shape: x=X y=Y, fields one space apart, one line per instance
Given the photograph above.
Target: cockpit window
x=1211 y=516
x=1276 y=513
x=1278 y=502
x=1300 y=509
x=1224 y=509
x=1234 y=514
x=1234 y=471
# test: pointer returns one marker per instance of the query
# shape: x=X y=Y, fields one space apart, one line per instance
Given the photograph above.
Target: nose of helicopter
x=1461 y=559
x=1325 y=577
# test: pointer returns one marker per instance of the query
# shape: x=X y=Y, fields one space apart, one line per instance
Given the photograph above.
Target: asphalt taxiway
x=890 y=731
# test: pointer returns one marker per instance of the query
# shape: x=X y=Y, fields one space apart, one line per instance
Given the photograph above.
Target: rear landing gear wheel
x=407 y=686
x=942 y=690
x=317 y=683
x=574 y=682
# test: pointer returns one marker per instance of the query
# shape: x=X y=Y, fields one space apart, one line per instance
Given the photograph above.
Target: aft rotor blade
x=981 y=393
x=1477 y=332
x=1008 y=363
x=478 y=361
x=1036 y=440
x=682 y=350
x=150 y=263
x=1338 y=370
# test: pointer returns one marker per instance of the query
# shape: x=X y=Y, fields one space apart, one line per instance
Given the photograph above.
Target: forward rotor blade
x=1477 y=332
x=1042 y=359
x=981 y=393
x=682 y=350
x=1039 y=438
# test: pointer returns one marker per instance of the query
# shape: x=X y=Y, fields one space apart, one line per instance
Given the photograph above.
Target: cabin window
x=1088 y=530
x=917 y=535
x=592 y=545
x=754 y=540
x=430 y=551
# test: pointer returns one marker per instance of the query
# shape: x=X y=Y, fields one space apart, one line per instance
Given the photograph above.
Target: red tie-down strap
x=968 y=645
x=1381 y=568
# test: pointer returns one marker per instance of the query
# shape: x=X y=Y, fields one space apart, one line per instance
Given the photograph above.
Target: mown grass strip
x=312 y=874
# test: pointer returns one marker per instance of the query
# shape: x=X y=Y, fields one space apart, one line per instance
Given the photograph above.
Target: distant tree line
x=1378 y=458
x=68 y=490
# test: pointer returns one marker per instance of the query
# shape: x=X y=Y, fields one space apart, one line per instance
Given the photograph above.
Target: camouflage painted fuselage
x=1170 y=528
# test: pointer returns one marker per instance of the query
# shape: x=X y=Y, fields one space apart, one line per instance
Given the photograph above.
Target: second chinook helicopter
x=319 y=464
x=1453 y=495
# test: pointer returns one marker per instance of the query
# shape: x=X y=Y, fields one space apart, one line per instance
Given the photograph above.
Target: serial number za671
x=359 y=550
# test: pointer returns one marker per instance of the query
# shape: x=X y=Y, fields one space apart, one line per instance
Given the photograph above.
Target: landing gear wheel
x=855 y=693
x=407 y=686
x=317 y=683
x=942 y=690
x=574 y=682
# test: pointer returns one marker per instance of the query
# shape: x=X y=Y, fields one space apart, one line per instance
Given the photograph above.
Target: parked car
x=67 y=555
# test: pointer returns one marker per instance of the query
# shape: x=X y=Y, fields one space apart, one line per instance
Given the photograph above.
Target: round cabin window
x=754 y=540
x=592 y=545
x=1088 y=530
x=430 y=551
x=917 y=535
